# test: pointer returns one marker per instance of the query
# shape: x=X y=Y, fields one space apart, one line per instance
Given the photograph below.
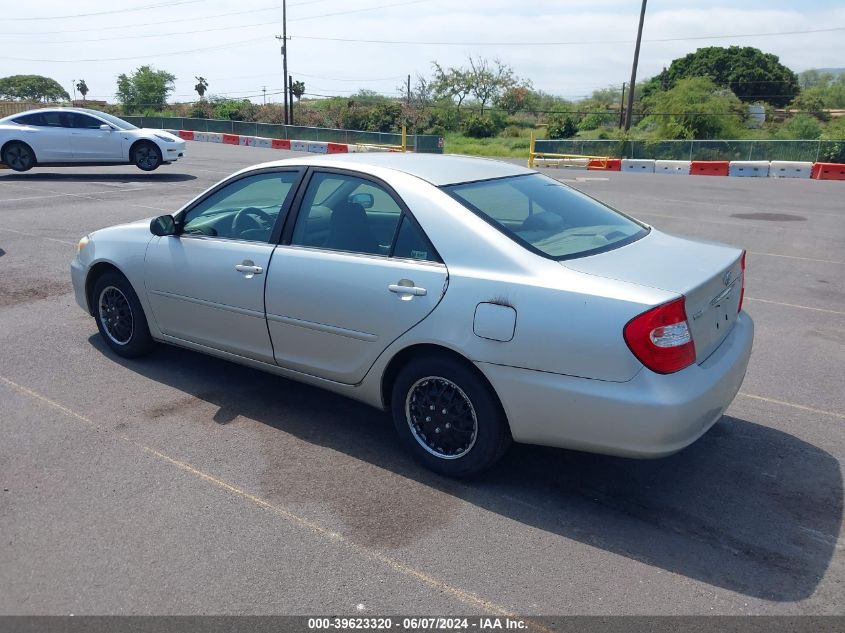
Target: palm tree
x=82 y=87
x=201 y=87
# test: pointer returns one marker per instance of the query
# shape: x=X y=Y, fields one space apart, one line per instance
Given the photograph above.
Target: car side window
x=411 y=243
x=246 y=209
x=346 y=213
x=30 y=119
x=85 y=122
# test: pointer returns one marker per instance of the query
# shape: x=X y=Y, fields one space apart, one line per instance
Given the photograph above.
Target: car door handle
x=407 y=290
x=249 y=268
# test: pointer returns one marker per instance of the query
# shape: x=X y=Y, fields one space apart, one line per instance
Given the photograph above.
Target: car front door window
x=246 y=209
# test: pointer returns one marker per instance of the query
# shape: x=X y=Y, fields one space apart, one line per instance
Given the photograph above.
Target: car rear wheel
x=19 y=156
x=120 y=317
x=146 y=156
x=448 y=417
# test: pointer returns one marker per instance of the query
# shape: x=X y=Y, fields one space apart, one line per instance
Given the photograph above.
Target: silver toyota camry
x=479 y=302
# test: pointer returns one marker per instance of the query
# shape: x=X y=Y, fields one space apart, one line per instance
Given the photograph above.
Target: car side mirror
x=106 y=127
x=163 y=225
x=366 y=200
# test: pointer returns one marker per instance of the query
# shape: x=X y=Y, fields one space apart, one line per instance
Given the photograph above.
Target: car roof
x=51 y=109
x=438 y=169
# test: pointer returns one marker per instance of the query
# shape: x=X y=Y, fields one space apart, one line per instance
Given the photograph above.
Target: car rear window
x=546 y=216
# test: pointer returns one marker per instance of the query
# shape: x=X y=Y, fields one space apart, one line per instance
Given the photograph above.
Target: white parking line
x=806 y=259
x=795 y=305
x=43 y=237
x=783 y=403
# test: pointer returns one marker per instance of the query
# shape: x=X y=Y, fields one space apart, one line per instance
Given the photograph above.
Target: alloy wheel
x=116 y=315
x=441 y=417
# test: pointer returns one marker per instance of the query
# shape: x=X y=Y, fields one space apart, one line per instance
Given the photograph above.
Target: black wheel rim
x=116 y=315
x=18 y=157
x=146 y=157
x=441 y=417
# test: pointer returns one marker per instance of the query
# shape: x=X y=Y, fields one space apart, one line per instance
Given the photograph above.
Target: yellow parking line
x=462 y=595
x=793 y=405
x=794 y=305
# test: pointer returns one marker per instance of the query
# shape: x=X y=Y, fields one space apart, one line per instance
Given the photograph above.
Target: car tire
x=467 y=431
x=120 y=317
x=146 y=156
x=19 y=156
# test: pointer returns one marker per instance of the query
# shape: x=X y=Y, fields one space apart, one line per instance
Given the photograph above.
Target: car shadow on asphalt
x=76 y=176
x=747 y=508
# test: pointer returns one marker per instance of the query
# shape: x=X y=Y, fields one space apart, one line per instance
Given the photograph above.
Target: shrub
x=562 y=126
x=801 y=126
x=478 y=126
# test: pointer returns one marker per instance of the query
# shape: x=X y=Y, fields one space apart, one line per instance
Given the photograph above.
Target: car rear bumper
x=651 y=415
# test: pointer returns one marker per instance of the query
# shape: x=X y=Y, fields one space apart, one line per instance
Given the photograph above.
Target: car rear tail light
x=742 y=287
x=661 y=338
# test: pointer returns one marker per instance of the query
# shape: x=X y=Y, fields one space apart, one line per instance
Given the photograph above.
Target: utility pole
x=633 y=82
x=622 y=107
x=408 y=94
x=284 y=39
x=264 y=94
x=74 y=88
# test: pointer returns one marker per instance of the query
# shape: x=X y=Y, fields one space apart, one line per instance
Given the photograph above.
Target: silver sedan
x=479 y=302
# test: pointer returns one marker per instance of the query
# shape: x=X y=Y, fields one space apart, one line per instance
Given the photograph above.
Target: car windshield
x=546 y=216
x=118 y=123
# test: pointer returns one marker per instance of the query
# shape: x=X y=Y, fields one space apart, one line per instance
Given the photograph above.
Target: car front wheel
x=19 y=156
x=146 y=156
x=120 y=317
x=448 y=417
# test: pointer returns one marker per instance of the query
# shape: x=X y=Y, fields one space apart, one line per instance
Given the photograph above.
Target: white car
x=74 y=136
x=477 y=301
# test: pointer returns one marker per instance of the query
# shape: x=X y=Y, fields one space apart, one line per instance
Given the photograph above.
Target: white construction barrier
x=318 y=147
x=260 y=141
x=749 y=168
x=299 y=146
x=638 y=165
x=790 y=169
x=213 y=137
x=246 y=140
x=673 y=167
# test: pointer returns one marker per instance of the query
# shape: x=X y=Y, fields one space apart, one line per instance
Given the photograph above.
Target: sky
x=565 y=47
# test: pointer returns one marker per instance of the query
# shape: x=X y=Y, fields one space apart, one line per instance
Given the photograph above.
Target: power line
x=86 y=15
x=562 y=43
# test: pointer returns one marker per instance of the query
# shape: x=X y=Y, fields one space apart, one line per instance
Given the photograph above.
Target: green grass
x=503 y=147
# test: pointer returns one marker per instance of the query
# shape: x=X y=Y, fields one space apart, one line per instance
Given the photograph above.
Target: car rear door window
x=411 y=243
x=346 y=213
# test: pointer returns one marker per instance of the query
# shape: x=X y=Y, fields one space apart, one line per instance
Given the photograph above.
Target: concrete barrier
x=186 y=135
x=829 y=171
x=213 y=137
x=749 y=168
x=337 y=148
x=611 y=164
x=709 y=168
x=790 y=169
x=260 y=141
x=672 y=167
x=638 y=165
x=231 y=139
x=317 y=147
x=280 y=143
x=246 y=140
x=299 y=146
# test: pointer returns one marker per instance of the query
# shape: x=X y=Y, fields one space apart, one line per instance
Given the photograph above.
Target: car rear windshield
x=546 y=216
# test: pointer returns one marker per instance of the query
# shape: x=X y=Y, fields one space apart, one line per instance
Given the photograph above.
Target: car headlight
x=82 y=244
x=166 y=139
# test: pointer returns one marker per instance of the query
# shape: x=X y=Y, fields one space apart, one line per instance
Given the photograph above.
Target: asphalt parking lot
x=182 y=484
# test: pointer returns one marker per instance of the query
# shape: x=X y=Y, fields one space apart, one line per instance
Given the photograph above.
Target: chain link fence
x=810 y=151
x=423 y=143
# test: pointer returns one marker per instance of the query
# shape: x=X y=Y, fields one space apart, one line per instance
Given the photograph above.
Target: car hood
x=708 y=275
x=159 y=133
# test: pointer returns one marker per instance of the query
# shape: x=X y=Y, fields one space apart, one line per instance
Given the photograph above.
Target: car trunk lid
x=708 y=275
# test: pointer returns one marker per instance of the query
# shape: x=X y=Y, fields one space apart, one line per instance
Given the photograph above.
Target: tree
x=823 y=90
x=751 y=74
x=82 y=87
x=297 y=89
x=454 y=83
x=488 y=80
x=695 y=108
x=801 y=127
x=32 y=88
x=145 y=88
x=201 y=87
